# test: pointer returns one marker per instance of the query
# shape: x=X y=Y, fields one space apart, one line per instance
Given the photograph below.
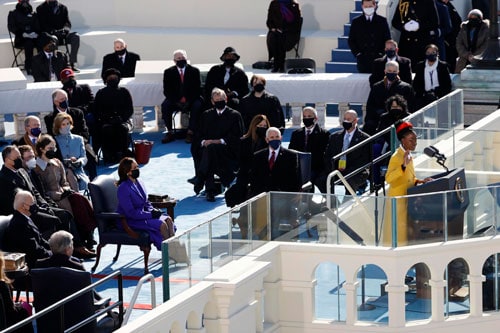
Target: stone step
x=342 y=55
x=340 y=67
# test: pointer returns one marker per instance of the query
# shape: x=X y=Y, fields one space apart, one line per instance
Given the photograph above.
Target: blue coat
x=133 y=203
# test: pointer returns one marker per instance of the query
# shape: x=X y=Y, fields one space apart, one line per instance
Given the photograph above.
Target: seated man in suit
x=47 y=65
x=32 y=129
x=312 y=138
x=342 y=140
x=381 y=91
x=121 y=59
x=391 y=54
x=182 y=90
x=61 y=245
x=275 y=169
x=219 y=143
x=54 y=19
x=23 y=235
x=227 y=77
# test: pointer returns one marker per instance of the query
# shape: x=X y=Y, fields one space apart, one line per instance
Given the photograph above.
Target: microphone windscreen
x=429 y=151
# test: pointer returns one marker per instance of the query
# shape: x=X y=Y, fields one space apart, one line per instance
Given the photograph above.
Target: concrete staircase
x=342 y=59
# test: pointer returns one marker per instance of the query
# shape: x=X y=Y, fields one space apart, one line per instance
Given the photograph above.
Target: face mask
x=71 y=84
x=35 y=131
x=134 y=173
x=229 y=62
x=474 y=22
x=63 y=104
x=259 y=87
x=52 y=4
x=369 y=11
x=308 y=122
x=261 y=132
x=18 y=163
x=113 y=83
x=431 y=57
x=65 y=130
x=181 y=63
x=33 y=209
x=121 y=52
x=51 y=47
x=274 y=144
x=31 y=163
x=395 y=113
x=390 y=53
x=347 y=125
x=391 y=76
x=50 y=154
x=220 y=105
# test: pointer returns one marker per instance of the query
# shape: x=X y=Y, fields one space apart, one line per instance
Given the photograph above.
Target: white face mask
x=65 y=130
x=31 y=164
x=369 y=11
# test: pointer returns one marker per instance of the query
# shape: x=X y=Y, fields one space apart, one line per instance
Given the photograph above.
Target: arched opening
x=330 y=296
x=457 y=287
x=418 y=295
x=371 y=298
x=491 y=285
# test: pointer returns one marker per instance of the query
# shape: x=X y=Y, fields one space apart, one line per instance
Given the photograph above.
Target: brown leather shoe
x=83 y=253
x=169 y=137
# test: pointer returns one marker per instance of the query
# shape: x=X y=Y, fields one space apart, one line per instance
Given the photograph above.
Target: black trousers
x=216 y=159
x=194 y=109
x=276 y=49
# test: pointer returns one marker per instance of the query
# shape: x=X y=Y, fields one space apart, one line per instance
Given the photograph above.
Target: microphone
x=432 y=151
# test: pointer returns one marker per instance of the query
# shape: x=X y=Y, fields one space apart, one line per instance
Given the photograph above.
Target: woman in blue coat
x=133 y=203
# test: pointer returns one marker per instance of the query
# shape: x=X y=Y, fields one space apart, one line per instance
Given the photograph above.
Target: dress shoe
x=189 y=136
x=198 y=187
x=169 y=137
x=83 y=253
x=210 y=197
x=75 y=69
x=193 y=180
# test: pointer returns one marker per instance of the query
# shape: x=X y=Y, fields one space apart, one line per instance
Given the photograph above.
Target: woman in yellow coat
x=400 y=176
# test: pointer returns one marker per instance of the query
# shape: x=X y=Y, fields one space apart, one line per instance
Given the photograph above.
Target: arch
x=371 y=295
x=329 y=292
x=194 y=321
x=176 y=328
x=457 y=288
x=418 y=296
x=491 y=286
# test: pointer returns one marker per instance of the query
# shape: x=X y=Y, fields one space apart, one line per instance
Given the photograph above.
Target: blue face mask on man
x=274 y=144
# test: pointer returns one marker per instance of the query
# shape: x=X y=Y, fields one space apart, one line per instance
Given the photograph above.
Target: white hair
x=183 y=52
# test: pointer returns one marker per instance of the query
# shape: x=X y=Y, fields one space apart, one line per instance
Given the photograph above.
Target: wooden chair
x=103 y=193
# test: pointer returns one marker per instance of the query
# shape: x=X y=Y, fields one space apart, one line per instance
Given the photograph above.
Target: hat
x=111 y=71
x=46 y=38
x=65 y=73
x=476 y=12
x=229 y=50
x=402 y=128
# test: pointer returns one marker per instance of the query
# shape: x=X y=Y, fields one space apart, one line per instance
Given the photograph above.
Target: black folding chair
x=300 y=66
x=16 y=52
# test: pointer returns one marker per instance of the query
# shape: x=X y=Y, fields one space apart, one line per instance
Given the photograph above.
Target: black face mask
x=346 y=125
x=135 y=173
x=33 y=209
x=63 y=105
x=308 y=122
x=181 y=63
x=391 y=76
x=121 y=52
x=395 y=113
x=259 y=87
x=229 y=62
x=220 y=105
x=70 y=84
x=50 y=154
x=113 y=83
x=474 y=22
x=390 y=53
x=431 y=57
x=18 y=163
x=261 y=132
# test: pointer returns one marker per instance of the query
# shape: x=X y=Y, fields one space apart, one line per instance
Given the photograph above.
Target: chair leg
x=98 y=257
x=146 y=250
x=118 y=248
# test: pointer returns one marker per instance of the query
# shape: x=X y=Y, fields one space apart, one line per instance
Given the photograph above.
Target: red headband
x=404 y=125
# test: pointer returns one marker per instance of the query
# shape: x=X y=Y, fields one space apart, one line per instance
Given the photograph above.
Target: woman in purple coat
x=133 y=203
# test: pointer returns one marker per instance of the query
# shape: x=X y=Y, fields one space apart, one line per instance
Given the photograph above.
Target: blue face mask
x=35 y=131
x=274 y=144
x=63 y=105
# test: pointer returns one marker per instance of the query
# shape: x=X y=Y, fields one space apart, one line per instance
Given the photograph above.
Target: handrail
x=65 y=300
x=136 y=294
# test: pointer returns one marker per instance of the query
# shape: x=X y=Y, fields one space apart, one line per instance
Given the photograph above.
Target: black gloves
x=156 y=213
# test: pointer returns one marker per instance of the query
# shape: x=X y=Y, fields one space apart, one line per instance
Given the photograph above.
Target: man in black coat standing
x=276 y=169
x=121 y=59
x=314 y=139
x=227 y=77
x=182 y=90
x=219 y=143
x=54 y=19
x=391 y=54
x=367 y=36
x=342 y=140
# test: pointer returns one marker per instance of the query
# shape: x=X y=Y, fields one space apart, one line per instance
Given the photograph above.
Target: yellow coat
x=399 y=182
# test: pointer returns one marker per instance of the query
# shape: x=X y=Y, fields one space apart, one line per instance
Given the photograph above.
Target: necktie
x=181 y=74
x=33 y=141
x=432 y=81
x=50 y=63
x=306 y=141
x=122 y=58
x=226 y=76
x=345 y=146
x=271 y=160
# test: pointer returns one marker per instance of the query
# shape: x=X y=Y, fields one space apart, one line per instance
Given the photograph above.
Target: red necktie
x=271 y=160
x=181 y=73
